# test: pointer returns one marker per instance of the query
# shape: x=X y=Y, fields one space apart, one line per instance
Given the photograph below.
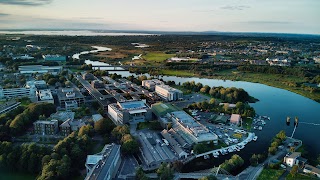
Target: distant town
x=142 y=107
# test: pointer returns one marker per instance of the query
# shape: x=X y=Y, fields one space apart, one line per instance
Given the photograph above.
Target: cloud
x=267 y=22
x=89 y=18
x=4 y=14
x=241 y=7
x=26 y=2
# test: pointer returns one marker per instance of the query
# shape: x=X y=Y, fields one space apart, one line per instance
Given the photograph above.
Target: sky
x=279 y=16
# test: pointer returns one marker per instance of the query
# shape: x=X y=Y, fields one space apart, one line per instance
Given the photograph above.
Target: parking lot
x=190 y=99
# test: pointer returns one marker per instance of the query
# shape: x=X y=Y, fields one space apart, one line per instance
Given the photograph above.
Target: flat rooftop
x=132 y=105
x=161 y=109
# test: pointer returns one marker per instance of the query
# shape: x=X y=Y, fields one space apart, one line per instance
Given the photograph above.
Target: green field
x=161 y=109
x=270 y=174
x=157 y=56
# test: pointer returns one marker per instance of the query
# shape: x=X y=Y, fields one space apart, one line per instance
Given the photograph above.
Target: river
x=275 y=103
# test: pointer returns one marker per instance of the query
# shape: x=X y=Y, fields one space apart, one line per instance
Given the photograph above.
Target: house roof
x=235 y=118
x=294 y=155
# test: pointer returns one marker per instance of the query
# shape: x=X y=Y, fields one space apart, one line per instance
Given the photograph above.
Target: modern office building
x=191 y=130
x=18 y=92
x=37 y=84
x=45 y=96
x=56 y=57
x=129 y=111
x=168 y=93
x=69 y=95
x=70 y=105
x=46 y=127
x=151 y=84
x=40 y=69
x=105 y=164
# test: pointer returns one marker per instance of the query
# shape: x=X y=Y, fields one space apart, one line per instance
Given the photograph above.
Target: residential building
x=71 y=125
x=291 y=159
x=168 y=93
x=70 y=105
x=105 y=164
x=278 y=61
x=189 y=129
x=235 y=119
x=40 y=69
x=56 y=57
x=46 y=127
x=45 y=96
x=69 y=95
x=129 y=111
x=311 y=170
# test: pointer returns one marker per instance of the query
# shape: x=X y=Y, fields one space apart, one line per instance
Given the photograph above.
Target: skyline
x=295 y=16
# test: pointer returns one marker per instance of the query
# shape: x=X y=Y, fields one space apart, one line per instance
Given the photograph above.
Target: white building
x=130 y=111
x=292 y=159
x=151 y=84
x=23 y=57
x=18 y=92
x=104 y=165
x=168 y=93
x=40 y=69
x=45 y=96
x=189 y=129
x=56 y=57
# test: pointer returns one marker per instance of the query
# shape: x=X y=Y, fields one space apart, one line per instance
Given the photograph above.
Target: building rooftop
x=45 y=95
x=46 y=122
x=235 y=118
x=63 y=115
x=66 y=93
x=168 y=88
x=312 y=169
x=130 y=105
x=161 y=109
x=294 y=155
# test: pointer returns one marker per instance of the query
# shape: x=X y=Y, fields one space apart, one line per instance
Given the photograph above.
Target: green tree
x=210 y=177
x=165 y=172
x=281 y=135
x=294 y=171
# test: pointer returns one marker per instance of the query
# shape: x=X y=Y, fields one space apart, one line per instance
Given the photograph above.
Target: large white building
x=40 y=69
x=151 y=84
x=168 y=93
x=130 y=111
x=189 y=129
x=17 y=92
x=104 y=165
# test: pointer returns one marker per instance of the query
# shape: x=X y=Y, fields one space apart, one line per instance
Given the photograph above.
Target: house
x=235 y=119
x=291 y=159
x=311 y=170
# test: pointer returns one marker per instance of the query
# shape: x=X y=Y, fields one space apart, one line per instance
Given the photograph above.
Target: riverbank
x=275 y=80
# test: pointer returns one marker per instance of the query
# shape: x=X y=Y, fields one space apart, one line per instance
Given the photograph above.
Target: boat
x=260 y=128
x=230 y=150
x=255 y=138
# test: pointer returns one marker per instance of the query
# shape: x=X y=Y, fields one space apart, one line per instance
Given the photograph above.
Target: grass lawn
x=270 y=174
x=149 y=125
x=299 y=176
x=157 y=56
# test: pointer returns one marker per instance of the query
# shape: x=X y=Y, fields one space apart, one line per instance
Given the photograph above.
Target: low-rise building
x=105 y=164
x=151 y=84
x=168 y=93
x=97 y=84
x=8 y=106
x=71 y=125
x=291 y=159
x=56 y=57
x=191 y=130
x=174 y=144
x=45 y=96
x=63 y=116
x=129 y=111
x=18 y=92
x=69 y=95
x=46 y=127
x=96 y=117
x=70 y=105
x=40 y=69
x=235 y=119
x=311 y=170
x=22 y=57
x=41 y=84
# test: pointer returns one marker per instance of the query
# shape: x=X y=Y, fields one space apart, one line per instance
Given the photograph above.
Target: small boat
x=255 y=138
x=230 y=150
x=260 y=128
x=215 y=156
